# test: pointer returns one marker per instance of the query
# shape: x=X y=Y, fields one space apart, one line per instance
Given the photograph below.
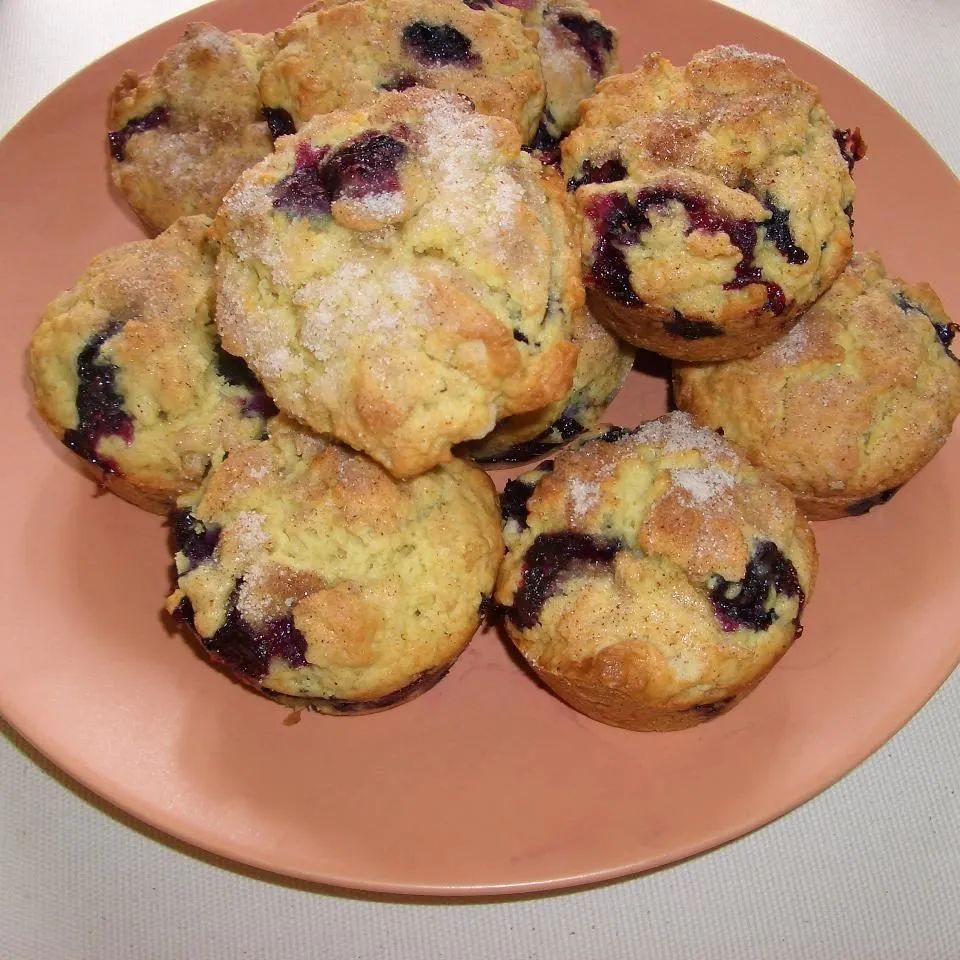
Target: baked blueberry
x=128 y=371
x=369 y=604
x=181 y=134
x=654 y=577
x=714 y=190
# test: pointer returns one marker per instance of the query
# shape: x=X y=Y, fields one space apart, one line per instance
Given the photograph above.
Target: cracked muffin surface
x=181 y=134
x=851 y=404
x=716 y=199
x=314 y=577
x=653 y=576
x=401 y=276
x=340 y=54
x=128 y=372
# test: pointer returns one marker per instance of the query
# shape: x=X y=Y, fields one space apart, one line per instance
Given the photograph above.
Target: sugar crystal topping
x=677 y=432
x=583 y=496
x=703 y=484
x=473 y=185
x=791 y=348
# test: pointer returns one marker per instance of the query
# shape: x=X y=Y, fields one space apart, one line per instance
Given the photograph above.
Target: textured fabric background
x=870 y=870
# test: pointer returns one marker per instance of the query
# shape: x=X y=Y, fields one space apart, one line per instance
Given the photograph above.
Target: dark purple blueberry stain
x=365 y=165
x=422 y=682
x=945 y=331
x=183 y=612
x=279 y=122
x=848 y=212
x=618 y=222
x=852 y=147
x=398 y=84
x=438 y=43
x=238 y=374
x=479 y=4
x=513 y=502
x=594 y=38
x=743 y=603
x=861 y=507
x=687 y=329
x=520 y=336
x=100 y=411
x=614 y=434
x=259 y=405
x=196 y=540
x=611 y=273
x=303 y=192
x=712 y=709
x=776 y=299
x=778 y=232
x=610 y=171
x=551 y=557
x=157 y=117
x=562 y=430
x=247 y=651
x=545 y=144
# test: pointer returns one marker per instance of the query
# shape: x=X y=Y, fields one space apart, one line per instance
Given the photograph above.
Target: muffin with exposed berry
x=602 y=367
x=577 y=50
x=181 y=134
x=314 y=577
x=851 y=404
x=402 y=277
x=653 y=576
x=340 y=54
x=717 y=201
x=128 y=372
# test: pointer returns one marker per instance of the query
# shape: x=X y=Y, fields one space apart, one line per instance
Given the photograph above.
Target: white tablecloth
x=870 y=869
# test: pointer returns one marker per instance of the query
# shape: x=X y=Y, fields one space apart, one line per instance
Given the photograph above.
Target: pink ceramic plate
x=487 y=784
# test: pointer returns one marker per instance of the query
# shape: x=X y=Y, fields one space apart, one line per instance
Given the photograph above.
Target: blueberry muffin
x=717 y=201
x=127 y=370
x=848 y=406
x=602 y=367
x=181 y=134
x=401 y=276
x=653 y=576
x=340 y=54
x=577 y=49
x=314 y=577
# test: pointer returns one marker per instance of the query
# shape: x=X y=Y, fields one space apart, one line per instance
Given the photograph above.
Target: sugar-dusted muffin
x=602 y=367
x=577 y=50
x=314 y=577
x=851 y=403
x=340 y=54
x=127 y=370
x=181 y=134
x=653 y=576
x=401 y=276
x=717 y=201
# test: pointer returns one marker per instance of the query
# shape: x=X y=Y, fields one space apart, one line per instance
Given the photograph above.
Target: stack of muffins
x=368 y=276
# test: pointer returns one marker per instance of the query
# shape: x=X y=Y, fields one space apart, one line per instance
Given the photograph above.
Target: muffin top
x=309 y=571
x=401 y=276
x=713 y=194
x=181 y=134
x=853 y=401
x=340 y=54
x=127 y=369
x=656 y=556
